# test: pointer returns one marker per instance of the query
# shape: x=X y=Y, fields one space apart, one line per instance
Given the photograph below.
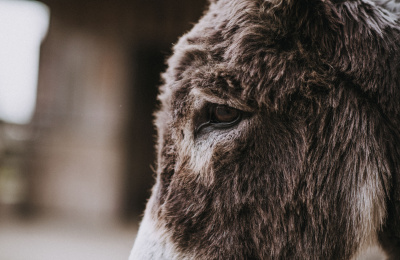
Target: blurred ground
x=55 y=238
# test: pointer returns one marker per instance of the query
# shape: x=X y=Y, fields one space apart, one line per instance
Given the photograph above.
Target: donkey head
x=279 y=134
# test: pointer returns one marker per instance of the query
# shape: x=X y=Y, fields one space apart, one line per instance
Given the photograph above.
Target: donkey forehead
x=199 y=70
x=233 y=55
x=256 y=52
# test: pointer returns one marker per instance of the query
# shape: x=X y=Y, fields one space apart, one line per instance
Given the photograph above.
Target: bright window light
x=23 y=25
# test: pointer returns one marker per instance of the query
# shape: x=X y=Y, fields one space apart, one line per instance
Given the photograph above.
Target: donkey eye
x=216 y=116
x=223 y=114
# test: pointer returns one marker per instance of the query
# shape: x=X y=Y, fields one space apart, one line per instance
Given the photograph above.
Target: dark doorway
x=148 y=63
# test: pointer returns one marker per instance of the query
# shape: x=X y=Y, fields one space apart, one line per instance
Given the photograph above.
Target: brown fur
x=312 y=169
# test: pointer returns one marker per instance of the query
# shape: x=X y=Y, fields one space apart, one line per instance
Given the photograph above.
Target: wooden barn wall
x=93 y=138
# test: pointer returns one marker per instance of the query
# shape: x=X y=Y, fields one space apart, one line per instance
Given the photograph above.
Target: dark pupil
x=224 y=114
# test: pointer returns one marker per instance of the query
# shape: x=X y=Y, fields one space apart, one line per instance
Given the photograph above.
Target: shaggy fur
x=312 y=170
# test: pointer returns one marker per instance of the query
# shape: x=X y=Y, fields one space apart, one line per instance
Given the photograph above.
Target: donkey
x=279 y=134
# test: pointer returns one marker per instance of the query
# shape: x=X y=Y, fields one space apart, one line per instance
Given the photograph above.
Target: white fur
x=152 y=241
x=372 y=253
x=390 y=5
x=372 y=211
x=386 y=18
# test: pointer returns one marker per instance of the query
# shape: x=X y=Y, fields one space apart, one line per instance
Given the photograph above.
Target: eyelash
x=208 y=117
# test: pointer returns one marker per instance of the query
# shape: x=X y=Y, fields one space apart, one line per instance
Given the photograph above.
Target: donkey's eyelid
x=217 y=116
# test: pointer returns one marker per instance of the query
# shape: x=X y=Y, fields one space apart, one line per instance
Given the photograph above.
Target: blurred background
x=78 y=86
